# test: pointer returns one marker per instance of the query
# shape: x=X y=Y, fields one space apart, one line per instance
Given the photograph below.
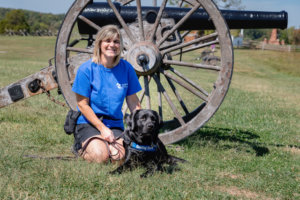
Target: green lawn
x=250 y=149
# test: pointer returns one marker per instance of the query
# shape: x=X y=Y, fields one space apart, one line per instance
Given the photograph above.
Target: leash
x=51 y=157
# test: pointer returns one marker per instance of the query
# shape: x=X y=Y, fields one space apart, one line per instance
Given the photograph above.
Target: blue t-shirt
x=106 y=89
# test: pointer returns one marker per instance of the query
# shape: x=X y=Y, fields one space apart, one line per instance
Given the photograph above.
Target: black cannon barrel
x=101 y=14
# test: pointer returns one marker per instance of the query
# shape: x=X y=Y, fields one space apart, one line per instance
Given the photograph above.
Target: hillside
x=38 y=22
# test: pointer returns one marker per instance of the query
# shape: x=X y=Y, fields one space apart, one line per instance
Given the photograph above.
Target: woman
x=101 y=85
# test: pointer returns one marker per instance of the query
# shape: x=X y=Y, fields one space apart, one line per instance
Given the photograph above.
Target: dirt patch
x=293 y=150
x=2 y=51
x=232 y=176
x=242 y=193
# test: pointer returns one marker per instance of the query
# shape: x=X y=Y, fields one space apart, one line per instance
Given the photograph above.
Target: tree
x=287 y=35
x=257 y=34
x=14 y=20
x=2 y=26
x=296 y=37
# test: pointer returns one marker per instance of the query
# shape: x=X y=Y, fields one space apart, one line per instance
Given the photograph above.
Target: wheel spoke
x=177 y=95
x=196 y=47
x=142 y=95
x=180 y=55
x=189 y=81
x=190 y=2
x=122 y=22
x=185 y=34
x=195 y=41
x=159 y=99
x=168 y=99
x=141 y=98
x=147 y=92
x=180 y=4
x=141 y=26
x=89 y=22
x=168 y=33
x=73 y=43
x=157 y=21
x=80 y=50
x=186 y=86
x=193 y=65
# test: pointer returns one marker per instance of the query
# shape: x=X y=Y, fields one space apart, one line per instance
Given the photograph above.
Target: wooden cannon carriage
x=186 y=92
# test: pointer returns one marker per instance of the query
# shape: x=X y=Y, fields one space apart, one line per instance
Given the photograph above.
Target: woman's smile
x=110 y=47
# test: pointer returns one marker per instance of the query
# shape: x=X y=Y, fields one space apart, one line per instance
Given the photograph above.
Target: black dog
x=142 y=145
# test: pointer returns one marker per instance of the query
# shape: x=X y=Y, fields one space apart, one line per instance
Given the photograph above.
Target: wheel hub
x=144 y=57
x=143 y=60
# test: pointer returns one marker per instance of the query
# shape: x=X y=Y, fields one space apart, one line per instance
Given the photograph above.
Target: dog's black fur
x=143 y=128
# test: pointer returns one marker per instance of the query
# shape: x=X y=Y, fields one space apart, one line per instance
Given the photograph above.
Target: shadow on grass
x=219 y=136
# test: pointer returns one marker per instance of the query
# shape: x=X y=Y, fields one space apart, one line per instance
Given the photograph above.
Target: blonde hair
x=107 y=32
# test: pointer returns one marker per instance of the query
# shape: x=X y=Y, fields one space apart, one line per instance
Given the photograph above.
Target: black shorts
x=85 y=131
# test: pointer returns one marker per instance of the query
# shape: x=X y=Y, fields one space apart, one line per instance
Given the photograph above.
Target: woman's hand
x=86 y=110
x=107 y=134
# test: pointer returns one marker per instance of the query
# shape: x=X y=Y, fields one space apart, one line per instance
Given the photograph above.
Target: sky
x=62 y=6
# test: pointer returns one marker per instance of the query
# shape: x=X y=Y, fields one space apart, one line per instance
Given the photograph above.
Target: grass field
x=250 y=149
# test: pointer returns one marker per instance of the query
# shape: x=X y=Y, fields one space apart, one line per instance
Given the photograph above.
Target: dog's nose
x=150 y=126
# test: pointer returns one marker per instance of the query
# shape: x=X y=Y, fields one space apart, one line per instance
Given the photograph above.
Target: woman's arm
x=87 y=111
x=133 y=102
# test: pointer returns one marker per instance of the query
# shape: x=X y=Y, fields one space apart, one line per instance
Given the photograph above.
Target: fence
x=10 y=32
x=250 y=44
x=273 y=47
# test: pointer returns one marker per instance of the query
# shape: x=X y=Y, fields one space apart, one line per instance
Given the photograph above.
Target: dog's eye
x=143 y=118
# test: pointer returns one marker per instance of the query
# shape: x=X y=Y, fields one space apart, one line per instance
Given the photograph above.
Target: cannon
x=158 y=42
x=101 y=14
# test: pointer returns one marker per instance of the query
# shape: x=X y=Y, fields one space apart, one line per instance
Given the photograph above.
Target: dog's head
x=144 y=126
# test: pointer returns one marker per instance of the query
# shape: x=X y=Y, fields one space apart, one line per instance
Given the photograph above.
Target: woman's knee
x=96 y=151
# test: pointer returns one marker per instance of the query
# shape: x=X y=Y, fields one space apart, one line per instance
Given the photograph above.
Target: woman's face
x=110 y=48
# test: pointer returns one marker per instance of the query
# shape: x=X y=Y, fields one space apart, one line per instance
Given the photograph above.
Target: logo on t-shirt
x=123 y=85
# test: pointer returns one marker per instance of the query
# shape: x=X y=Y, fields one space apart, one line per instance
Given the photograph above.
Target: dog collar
x=143 y=147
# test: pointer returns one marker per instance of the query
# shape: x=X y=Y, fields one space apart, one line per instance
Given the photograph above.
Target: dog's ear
x=132 y=120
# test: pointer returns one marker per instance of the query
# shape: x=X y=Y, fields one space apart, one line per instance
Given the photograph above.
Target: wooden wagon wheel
x=164 y=60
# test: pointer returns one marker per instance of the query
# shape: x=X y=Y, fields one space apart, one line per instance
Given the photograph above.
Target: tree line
x=24 y=22
x=289 y=36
